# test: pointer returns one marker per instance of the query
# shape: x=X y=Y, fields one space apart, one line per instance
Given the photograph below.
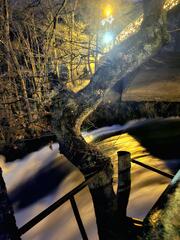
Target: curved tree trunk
x=90 y=160
x=71 y=109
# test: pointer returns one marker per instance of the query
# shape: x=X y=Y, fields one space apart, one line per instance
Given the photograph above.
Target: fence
x=70 y=197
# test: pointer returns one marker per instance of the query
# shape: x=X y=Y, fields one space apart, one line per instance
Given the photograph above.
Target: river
x=44 y=176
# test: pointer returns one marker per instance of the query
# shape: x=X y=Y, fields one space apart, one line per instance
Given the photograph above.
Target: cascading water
x=44 y=176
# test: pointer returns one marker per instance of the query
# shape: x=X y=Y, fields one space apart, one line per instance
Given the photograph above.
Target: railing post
x=78 y=218
x=8 y=228
x=124 y=182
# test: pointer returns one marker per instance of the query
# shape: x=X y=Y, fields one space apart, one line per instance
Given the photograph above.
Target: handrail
x=168 y=175
x=69 y=196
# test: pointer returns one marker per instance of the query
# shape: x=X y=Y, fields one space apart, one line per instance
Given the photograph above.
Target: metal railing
x=156 y=170
x=67 y=197
x=70 y=196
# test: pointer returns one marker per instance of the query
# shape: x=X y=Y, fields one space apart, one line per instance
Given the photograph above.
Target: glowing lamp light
x=107 y=38
x=107 y=11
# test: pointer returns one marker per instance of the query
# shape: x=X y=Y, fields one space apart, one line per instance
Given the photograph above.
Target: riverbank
x=122 y=112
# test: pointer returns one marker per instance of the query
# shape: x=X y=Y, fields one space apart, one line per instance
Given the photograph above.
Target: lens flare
x=107 y=38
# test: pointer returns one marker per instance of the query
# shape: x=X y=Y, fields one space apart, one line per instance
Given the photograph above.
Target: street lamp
x=107 y=37
x=107 y=15
x=104 y=35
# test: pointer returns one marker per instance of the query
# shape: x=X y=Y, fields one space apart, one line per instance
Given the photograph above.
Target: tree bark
x=8 y=228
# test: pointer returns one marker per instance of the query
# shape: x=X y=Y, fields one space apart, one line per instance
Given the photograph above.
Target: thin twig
x=174 y=30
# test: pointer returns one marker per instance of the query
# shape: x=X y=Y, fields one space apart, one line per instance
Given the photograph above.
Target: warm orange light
x=107 y=11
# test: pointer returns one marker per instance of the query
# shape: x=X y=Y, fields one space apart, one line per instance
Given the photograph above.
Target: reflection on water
x=146 y=185
x=32 y=173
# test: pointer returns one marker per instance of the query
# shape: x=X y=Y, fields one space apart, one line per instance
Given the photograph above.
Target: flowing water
x=44 y=176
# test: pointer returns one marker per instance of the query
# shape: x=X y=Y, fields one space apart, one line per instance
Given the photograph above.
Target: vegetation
x=164 y=223
x=43 y=44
